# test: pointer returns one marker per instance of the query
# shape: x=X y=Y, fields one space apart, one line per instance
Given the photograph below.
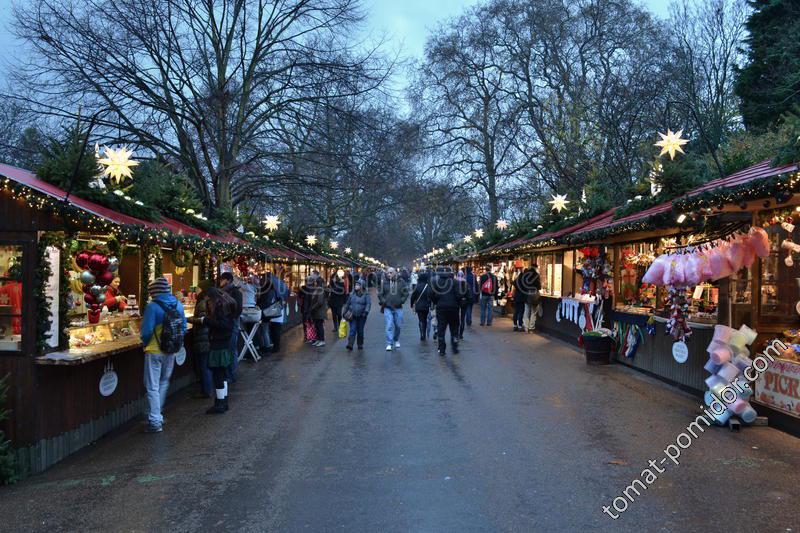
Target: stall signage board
x=180 y=356
x=108 y=382
x=51 y=290
x=779 y=387
x=680 y=352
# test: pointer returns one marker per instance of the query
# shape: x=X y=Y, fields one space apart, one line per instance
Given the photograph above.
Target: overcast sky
x=405 y=22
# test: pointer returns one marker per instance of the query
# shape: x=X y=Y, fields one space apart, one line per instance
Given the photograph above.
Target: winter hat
x=205 y=284
x=159 y=286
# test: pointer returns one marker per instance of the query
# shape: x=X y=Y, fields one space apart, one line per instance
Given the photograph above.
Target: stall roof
x=603 y=219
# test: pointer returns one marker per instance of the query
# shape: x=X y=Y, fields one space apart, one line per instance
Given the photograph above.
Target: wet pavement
x=515 y=433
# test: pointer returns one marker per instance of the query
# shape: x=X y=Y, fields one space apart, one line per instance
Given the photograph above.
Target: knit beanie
x=159 y=286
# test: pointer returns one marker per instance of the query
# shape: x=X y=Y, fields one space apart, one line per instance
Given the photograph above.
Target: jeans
x=424 y=323
x=203 y=372
x=468 y=312
x=447 y=318
x=531 y=314
x=393 y=321
x=519 y=312
x=157 y=371
x=263 y=337
x=275 y=330
x=487 y=302
x=357 y=330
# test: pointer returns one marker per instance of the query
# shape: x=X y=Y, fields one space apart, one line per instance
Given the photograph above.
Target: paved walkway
x=515 y=433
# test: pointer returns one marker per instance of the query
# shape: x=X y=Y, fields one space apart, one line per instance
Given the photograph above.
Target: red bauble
x=105 y=278
x=82 y=259
x=89 y=298
x=98 y=262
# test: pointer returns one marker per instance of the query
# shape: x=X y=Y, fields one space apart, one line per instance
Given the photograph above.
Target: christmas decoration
x=118 y=163
x=467 y=238
x=478 y=233
x=311 y=240
x=348 y=250
x=671 y=143
x=334 y=245
x=559 y=202
x=501 y=225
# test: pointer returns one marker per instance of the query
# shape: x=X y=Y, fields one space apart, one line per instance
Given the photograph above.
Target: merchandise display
x=729 y=356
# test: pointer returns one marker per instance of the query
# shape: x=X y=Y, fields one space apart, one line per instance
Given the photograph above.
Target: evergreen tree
x=769 y=84
x=8 y=471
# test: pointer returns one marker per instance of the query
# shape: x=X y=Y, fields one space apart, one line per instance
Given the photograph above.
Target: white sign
x=180 y=356
x=109 y=381
x=582 y=322
x=680 y=352
x=51 y=290
x=779 y=387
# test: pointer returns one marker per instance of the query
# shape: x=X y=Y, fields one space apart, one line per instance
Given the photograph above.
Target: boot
x=218 y=407
x=349 y=346
x=225 y=403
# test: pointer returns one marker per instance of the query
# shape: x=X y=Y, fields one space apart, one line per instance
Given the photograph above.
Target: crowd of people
x=443 y=300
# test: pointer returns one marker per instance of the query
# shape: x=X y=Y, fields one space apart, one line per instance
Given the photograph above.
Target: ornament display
x=87 y=278
x=113 y=264
x=95 y=279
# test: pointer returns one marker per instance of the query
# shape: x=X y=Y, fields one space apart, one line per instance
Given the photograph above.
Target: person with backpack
x=162 y=331
x=355 y=311
x=219 y=318
x=449 y=296
x=489 y=290
x=533 y=285
x=421 y=303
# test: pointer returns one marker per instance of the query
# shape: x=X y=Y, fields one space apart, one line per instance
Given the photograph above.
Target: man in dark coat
x=448 y=297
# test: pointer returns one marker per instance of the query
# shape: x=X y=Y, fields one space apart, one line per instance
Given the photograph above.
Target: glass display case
x=780 y=282
x=110 y=334
x=10 y=298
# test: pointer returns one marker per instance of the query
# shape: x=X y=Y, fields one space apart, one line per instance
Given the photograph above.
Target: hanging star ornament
x=449 y=245
x=671 y=143
x=118 y=163
x=501 y=224
x=334 y=245
x=348 y=250
x=479 y=233
x=311 y=240
x=559 y=202
x=468 y=238
x=271 y=222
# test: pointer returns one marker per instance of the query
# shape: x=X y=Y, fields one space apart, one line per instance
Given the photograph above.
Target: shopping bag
x=343 y=327
x=311 y=331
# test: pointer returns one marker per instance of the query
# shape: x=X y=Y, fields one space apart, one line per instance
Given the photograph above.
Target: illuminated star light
x=118 y=163
x=334 y=245
x=348 y=250
x=479 y=233
x=559 y=202
x=271 y=222
x=501 y=224
x=671 y=143
x=311 y=240
x=449 y=245
x=468 y=238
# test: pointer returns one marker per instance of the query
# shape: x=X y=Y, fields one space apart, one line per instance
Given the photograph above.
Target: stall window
x=550 y=270
x=779 y=282
x=11 y=270
x=635 y=259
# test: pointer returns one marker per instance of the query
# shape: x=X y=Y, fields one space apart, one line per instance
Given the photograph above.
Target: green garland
x=780 y=187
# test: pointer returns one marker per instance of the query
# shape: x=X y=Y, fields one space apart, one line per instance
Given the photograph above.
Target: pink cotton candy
x=705 y=265
x=759 y=242
x=693 y=269
x=674 y=273
x=655 y=274
x=736 y=255
x=749 y=253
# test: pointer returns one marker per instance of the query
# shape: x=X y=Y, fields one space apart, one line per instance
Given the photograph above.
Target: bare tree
x=202 y=82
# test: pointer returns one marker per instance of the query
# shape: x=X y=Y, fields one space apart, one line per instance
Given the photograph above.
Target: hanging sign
x=108 y=381
x=680 y=352
x=180 y=356
x=582 y=322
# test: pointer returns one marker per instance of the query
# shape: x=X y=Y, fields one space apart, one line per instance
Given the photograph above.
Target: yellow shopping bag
x=343 y=327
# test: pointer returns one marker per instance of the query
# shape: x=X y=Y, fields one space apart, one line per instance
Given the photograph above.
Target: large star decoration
x=334 y=245
x=559 y=202
x=118 y=163
x=348 y=250
x=468 y=238
x=271 y=222
x=311 y=240
x=671 y=143
x=501 y=224
x=479 y=233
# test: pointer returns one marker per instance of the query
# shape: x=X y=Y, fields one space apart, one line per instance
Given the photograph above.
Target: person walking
x=461 y=279
x=355 y=311
x=201 y=341
x=228 y=286
x=519 y=300
x=162 y=331
x=533 y=286
x=421 y=303
x=488 y=288
x=318 y=309
x=336 y=297
x=448 y=297
x=472 y=288
x=392 y=294
x=219 y=318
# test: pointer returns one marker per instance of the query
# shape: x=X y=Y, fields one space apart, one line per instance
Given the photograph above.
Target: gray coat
x=359 y=305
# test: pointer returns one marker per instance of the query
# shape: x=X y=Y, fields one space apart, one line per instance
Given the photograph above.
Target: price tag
x=680 y=352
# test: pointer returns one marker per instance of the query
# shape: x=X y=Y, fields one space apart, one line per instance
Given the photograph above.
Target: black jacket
x=220 y=329
x=421 y=297
x=234 y=292
x=448 y=293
